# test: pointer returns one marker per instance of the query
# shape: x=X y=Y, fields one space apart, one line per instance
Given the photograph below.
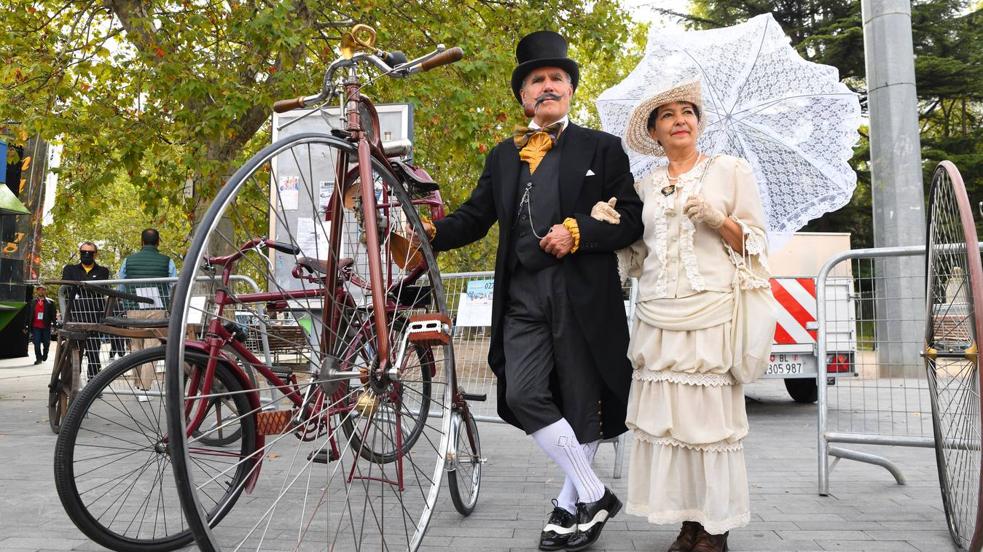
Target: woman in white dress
x=703 y=223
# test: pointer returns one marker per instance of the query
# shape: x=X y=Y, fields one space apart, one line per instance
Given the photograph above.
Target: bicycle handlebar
x=443 y=58
x=282 y=106
x=393 y=64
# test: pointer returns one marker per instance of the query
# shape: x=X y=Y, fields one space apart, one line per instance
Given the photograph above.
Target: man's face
x=40 y=293
x=547 y=91
x=87 y=253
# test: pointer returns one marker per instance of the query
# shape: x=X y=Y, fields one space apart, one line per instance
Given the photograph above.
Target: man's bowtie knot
x=535 y=143
x=521 y=134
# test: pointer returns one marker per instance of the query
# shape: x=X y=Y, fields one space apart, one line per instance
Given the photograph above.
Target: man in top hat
x=559 y=333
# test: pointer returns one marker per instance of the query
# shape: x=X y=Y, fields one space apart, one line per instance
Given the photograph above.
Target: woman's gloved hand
x=698 y=210
x=604 y=211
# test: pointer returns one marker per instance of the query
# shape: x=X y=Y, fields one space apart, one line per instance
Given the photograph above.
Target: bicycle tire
x=464 y=480
x=954 y=277
x=128 y=434
x=59 y=395
x=374 y=510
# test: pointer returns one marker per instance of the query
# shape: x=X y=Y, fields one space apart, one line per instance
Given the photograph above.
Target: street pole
x=896 y=187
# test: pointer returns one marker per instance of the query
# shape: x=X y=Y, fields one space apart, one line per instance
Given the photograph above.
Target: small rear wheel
x=464 y=477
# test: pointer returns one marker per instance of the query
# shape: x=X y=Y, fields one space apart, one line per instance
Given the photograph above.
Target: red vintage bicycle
x=343 y=442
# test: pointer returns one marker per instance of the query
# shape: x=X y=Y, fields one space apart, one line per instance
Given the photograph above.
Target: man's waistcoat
x=543 y=206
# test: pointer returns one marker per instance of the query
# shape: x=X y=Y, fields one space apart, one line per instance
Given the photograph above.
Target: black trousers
x=549 y=371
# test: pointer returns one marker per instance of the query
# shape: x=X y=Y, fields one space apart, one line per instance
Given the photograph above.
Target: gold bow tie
x=521 y=134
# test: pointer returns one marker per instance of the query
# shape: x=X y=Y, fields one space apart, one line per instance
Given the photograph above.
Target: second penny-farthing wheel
x=954 y=283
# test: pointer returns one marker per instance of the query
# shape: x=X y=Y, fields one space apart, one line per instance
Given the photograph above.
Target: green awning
x=9 y=204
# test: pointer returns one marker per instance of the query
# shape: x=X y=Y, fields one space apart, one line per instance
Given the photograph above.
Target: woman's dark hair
x=651 y=122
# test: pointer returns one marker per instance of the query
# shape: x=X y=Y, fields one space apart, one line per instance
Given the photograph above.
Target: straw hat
x=637 y=135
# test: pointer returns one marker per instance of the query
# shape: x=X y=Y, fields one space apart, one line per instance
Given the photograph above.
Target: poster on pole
x=303 y=182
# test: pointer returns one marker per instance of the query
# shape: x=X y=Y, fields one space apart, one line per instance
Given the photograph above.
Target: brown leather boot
x=705 y=542
x=687 y=537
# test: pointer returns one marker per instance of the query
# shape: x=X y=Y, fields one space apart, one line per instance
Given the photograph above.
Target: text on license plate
x=784 y=364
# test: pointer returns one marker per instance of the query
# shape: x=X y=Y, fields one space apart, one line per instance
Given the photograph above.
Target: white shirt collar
x=565 y=120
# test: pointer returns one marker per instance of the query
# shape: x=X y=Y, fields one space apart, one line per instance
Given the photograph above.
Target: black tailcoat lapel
x=508 y=179
x=576 y=155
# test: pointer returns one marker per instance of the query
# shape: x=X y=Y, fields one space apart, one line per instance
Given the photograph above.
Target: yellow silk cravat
x=535 y=150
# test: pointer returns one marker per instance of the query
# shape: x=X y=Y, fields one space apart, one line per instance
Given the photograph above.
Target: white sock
x=567 y=499
x=560 y=443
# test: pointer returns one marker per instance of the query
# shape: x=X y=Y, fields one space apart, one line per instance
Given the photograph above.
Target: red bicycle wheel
x=954 y=285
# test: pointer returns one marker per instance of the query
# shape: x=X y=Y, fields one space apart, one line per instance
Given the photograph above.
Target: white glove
x=698 y=210
x=604 y=211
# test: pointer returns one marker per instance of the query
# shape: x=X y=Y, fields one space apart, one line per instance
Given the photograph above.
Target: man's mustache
x=547 y=96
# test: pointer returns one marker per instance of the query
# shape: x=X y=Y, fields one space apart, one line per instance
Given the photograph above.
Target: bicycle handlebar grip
x=287 y=248
x=282 y=106
x=447 y=56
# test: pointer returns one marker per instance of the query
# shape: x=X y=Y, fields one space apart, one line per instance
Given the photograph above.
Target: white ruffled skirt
x=688 y=417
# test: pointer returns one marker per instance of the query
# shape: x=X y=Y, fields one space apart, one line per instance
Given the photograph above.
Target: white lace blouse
x=683 y=258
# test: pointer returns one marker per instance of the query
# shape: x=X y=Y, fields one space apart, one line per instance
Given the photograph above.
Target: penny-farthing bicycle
x=954 y=287
x=345 y=440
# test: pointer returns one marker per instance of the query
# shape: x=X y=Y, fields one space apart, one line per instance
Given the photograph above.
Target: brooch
x=669 y=190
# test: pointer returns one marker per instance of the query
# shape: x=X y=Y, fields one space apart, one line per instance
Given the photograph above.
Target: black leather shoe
x=591 y=518
x=559 y=528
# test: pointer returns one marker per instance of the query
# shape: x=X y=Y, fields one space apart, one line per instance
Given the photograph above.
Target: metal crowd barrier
x=468 y=296
x=888 y=402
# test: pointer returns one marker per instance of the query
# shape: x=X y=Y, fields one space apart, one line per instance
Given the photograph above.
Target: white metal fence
x=887 y=402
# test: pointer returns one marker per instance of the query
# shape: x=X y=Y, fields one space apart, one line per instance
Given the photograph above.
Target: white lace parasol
x=791 y=119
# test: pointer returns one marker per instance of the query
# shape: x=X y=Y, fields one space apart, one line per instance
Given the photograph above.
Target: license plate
x=790 y=364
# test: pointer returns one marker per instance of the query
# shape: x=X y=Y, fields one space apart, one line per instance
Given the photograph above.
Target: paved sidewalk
x=867 y=511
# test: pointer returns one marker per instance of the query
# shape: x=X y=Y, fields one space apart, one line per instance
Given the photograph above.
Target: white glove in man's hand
x=604 y=211
x=698 y=210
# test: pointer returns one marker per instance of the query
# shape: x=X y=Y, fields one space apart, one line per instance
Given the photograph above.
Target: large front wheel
x=954 y=319
x=352 y=441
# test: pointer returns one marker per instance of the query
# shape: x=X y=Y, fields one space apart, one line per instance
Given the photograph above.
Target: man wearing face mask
x=559 y=333
x=86 y=306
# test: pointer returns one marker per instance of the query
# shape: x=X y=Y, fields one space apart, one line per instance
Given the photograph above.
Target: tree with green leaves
x=949 y=50
x=167 y=98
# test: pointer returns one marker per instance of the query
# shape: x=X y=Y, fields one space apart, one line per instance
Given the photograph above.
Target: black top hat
x=542 y=49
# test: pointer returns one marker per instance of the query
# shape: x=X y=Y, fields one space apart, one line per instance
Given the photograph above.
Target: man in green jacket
x=147 y=263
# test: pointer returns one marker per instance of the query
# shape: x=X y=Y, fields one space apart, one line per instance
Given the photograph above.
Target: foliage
x=112 y=216
x=947 y=43
x=154 y=95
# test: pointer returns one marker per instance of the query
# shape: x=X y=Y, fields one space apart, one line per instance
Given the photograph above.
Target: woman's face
x=676 y=126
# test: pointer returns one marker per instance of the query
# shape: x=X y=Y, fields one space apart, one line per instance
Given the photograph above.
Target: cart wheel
x=954 y=278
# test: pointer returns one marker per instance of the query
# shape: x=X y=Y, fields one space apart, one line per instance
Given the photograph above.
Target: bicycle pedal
x=429 y=329
x=322 y=456
x=475 y=396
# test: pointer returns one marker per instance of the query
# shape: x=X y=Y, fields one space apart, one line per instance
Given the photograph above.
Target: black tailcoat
x=594 y=168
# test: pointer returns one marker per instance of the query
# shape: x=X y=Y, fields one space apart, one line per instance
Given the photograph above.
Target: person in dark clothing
x=85 y=306
x=559 y=332
x=43 y=314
